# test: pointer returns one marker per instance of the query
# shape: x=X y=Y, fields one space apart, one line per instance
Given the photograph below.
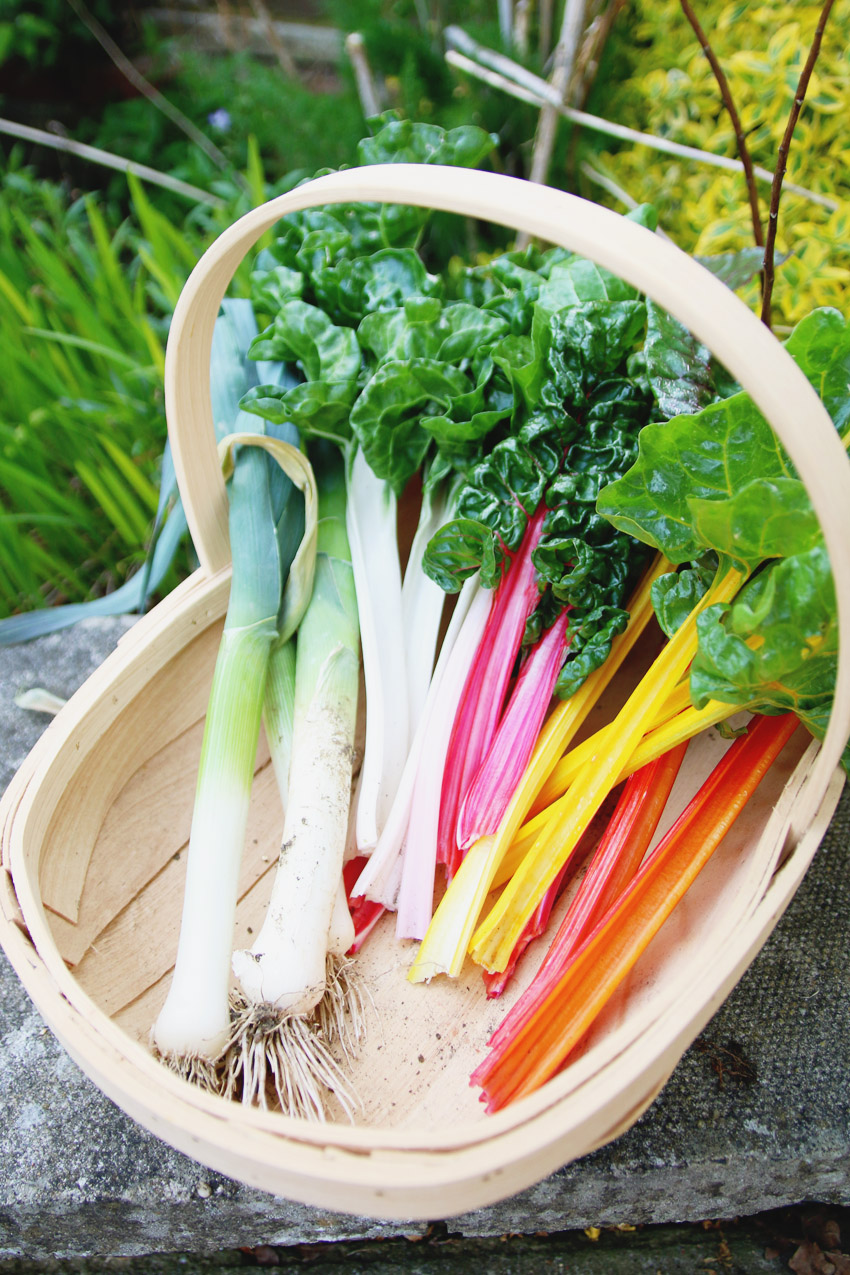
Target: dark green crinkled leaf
x=504 y=490
x=423 y=327
x=387 y=416
x=678 y=367
x=476 y=413
x=304 y=335
x=458 y=550
x=675 y=594
x=520 y=360
x=271 y=289
x=590 y=646
x=588 y=563
x=585 y=345
x=350 y=289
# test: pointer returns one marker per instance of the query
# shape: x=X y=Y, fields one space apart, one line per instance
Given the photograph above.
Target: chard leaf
x=387 y=416
x=588 y=563
x=590 y=646
x=320 y=249
x=584 y=345
x=425 y=328
x=271 y=289
x=678 y=367
x=303 y=334
x=474 y=414
x=764 y=519
x=504 y=490
x=408 y=142
x=776 y=647
x=350 y=289
x=579 y=281
x=459 y=549
x=519 y=358
x=318 y=408
x=675 y=594
x=820 y=344
x=737 y=268
x=709 y=456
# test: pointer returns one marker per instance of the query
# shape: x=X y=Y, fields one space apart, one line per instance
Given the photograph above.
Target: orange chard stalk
x=577 y=994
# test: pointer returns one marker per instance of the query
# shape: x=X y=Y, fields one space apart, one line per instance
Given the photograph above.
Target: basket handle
x=652 y=264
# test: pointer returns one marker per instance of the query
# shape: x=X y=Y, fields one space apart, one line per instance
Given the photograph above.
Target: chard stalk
x=371 y=527
x=382 y=874
x=422 y=603
x=495 y=938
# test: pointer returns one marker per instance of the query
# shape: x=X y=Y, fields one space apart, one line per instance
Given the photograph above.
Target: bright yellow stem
x=494 y=940
x=444 y=947
x=671 y=729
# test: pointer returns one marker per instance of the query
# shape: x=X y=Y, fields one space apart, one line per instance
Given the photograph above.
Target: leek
x=284 y=976
x=193 y=1027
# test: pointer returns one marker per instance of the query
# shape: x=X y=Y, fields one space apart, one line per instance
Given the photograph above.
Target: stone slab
x=756 y=1116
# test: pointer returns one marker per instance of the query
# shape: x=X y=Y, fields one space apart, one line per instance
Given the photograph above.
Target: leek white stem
x=195 y=1021
x=285 y=968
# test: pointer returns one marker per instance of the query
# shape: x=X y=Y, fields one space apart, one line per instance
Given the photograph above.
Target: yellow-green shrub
x=671 y=92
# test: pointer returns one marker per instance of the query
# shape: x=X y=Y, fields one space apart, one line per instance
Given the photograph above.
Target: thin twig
x=546 y=15
x=608 y=183
x=108 y=160
x=285 y=60
x=125 y=66
x=522 y=24
x=740 y=137
x=565 y=55
x=587 y=62
x=522 y=90
x=355 y=47
x=506 y=21
x=782 y=159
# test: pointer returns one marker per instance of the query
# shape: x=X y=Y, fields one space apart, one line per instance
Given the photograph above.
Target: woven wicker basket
x=94 y=823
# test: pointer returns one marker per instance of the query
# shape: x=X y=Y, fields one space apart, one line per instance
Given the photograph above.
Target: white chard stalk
x=371 y=525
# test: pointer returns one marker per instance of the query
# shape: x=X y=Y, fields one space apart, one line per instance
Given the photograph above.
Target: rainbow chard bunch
x=750 y=617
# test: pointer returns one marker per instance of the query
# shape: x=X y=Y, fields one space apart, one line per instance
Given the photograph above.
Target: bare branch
x=565 y=55
x=527 y=87
x=125 y=66
x=108 y=160
x=285 y=60
x=355 y=47
x=740 y=137
x=782 y=159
